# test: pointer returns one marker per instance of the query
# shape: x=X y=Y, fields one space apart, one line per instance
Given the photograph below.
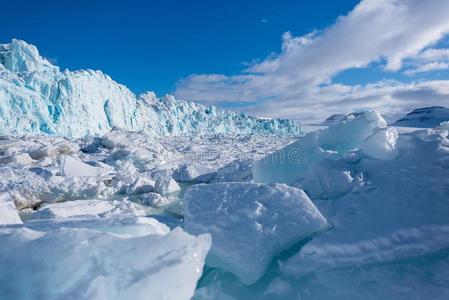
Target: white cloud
x=299 y=80
x=428 y=67
x=429 y=60
x=387 y=97
x=434 y=55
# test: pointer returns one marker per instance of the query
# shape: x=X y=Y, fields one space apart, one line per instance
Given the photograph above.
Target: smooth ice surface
x=35 y=96
x=250 y=223
x=71 y=263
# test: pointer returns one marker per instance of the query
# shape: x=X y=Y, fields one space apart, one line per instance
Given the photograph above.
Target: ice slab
x=444 y=125
x=250 y=223
x=125 y=226
x=190 y=172
x=87 y=208
x=79 y=263
x=155 y=200
x=292 y=162
x=143 y=184
x=58 y=147
x=381 y=144
x=329 y=179
x=72 y=167
x=8 y=211
x=165 y=184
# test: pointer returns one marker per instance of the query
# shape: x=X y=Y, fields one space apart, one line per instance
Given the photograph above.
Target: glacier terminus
x=105 y=194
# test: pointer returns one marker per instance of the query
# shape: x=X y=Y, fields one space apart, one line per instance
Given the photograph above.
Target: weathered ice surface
x=250 y=223
x=35 y=96
x=83 y=263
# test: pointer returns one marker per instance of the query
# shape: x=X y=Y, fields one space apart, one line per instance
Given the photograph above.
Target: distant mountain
x=425 y=117
x=337 y=118
x=333 y=119
x=36 y=97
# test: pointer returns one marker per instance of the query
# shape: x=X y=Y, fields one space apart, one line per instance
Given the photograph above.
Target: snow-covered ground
x=424 y=117
x=76 y=206
x=203 y=203
x=372 y=220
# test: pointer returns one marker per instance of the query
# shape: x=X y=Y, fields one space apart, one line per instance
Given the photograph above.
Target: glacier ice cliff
x=37 y=97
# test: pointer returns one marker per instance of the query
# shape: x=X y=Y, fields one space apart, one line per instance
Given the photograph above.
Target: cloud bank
x=399 y=35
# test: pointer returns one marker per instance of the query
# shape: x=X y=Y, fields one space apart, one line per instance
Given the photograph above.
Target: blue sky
x=270 y=58
x=152 y=44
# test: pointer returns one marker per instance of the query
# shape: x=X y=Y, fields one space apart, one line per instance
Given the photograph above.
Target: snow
x=426 y=117
x=95 y=181
x=37 y=97
x=165 y=184
x=18 y=56
x=383 y=193
x=155 y=200
x=333 y=119
x=8 y=211
x=192 y=172
x=292 y=162
x=120 y=225
x=87 y=264
x=86 y=208
x=444 y=125
x=143 y=184
x=388 y=214
x=387 y=230
x=338 y=118
x=329 y=179
x=72 y=167
x=250 y=223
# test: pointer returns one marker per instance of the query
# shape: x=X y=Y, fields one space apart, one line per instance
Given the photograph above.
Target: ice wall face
x=35 y=96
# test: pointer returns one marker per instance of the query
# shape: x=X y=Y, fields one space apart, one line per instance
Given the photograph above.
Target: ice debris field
x=109 y=195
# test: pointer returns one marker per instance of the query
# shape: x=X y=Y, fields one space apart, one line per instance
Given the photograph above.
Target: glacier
x=37 y=97
x=105 y=194
x=382 y=192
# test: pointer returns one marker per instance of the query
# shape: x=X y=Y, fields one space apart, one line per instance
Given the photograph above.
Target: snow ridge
x=36 y=97
x=424 y=117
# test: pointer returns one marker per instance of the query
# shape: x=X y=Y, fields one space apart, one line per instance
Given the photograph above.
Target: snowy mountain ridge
x=424 y=117
x=36 y=97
